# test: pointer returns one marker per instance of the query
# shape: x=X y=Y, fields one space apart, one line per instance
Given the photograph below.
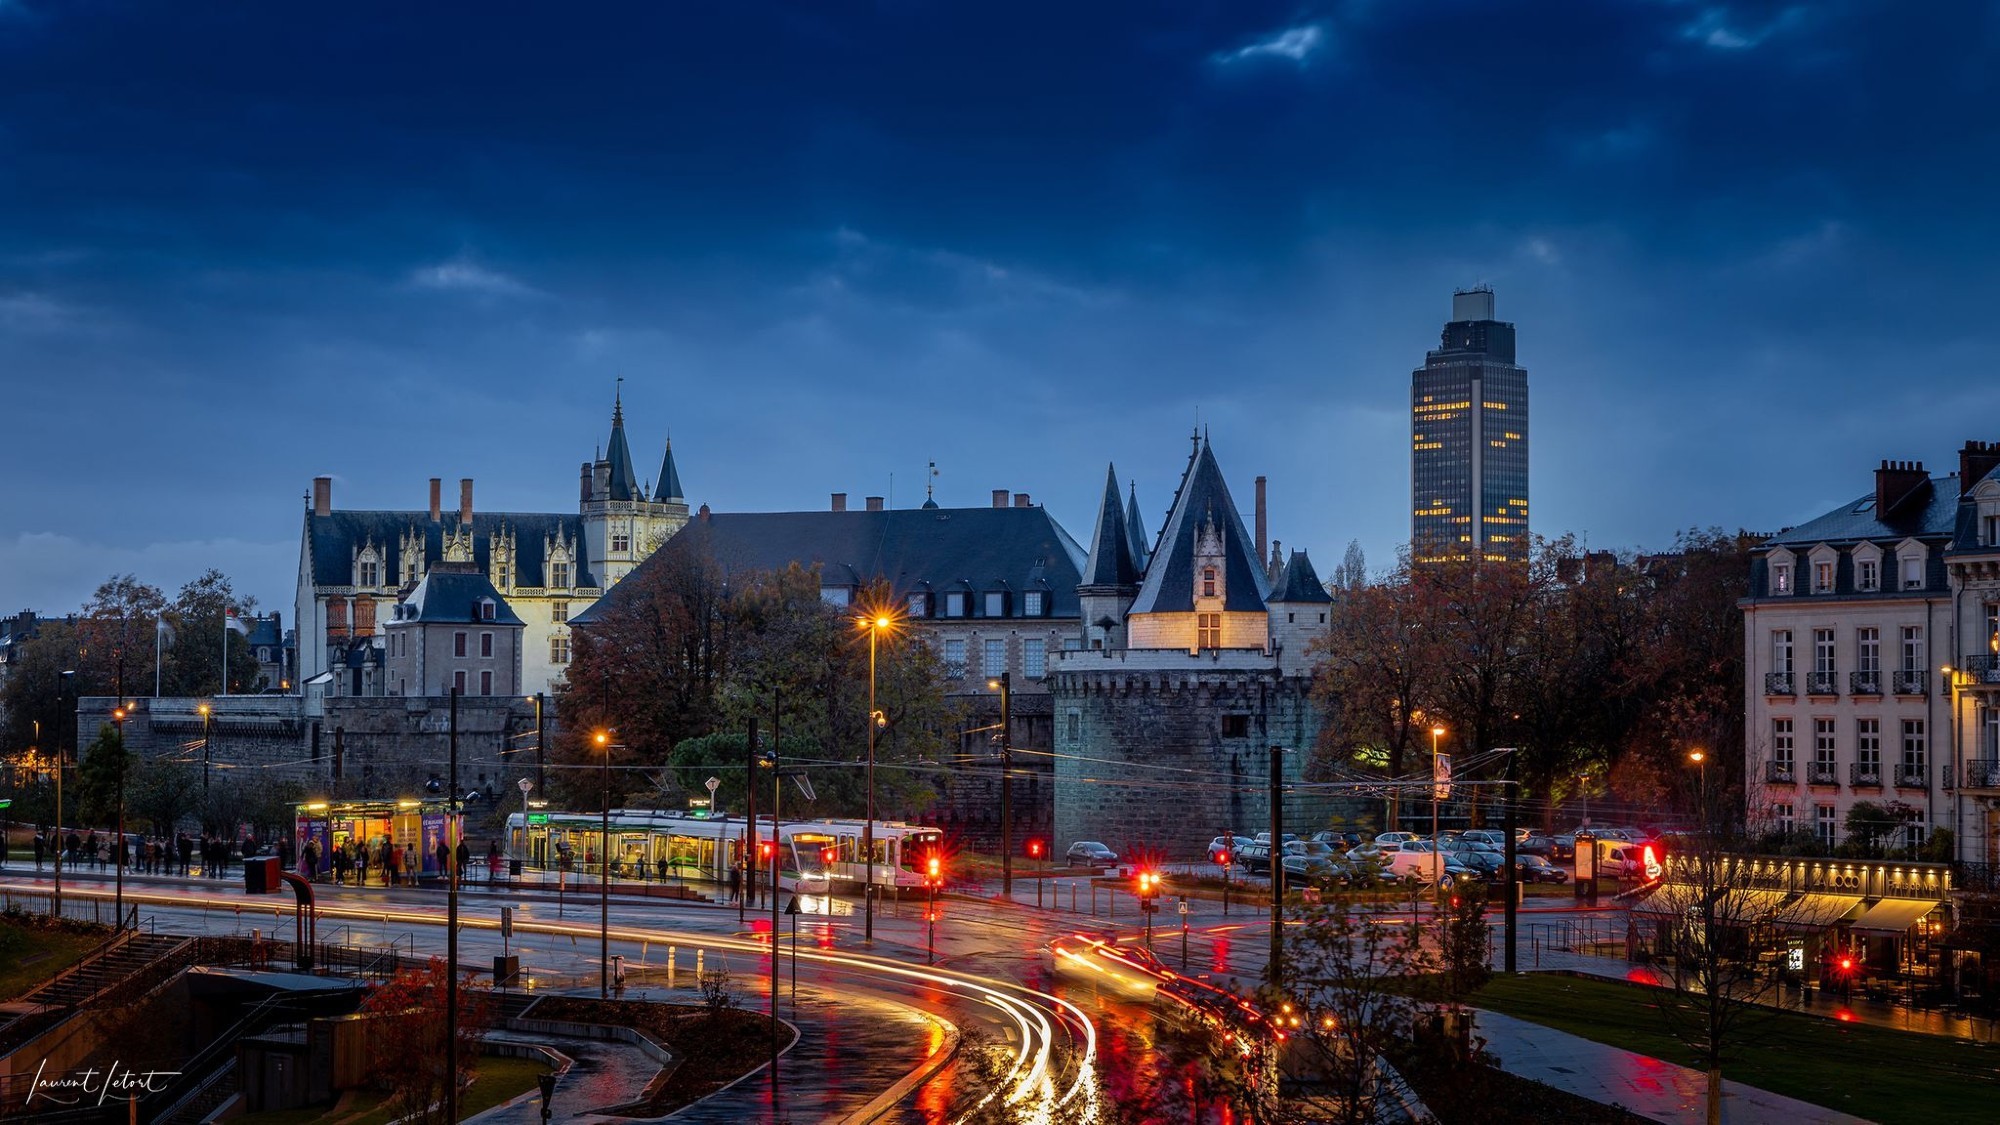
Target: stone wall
x=1158 y=753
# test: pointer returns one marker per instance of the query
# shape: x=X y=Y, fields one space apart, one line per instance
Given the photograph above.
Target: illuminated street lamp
x=1437 y=853
x=204 y=709
x=603 y=740
x=877 y=623
x=118 y=868
x=67 y=684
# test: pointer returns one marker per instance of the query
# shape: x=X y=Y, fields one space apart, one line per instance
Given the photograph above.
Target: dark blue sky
x=1749 y=248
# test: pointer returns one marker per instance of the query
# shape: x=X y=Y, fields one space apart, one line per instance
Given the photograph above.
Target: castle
x=356 y=565
x=1194 y=662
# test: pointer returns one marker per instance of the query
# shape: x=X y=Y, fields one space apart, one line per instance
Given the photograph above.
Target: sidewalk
x=1663 y=1091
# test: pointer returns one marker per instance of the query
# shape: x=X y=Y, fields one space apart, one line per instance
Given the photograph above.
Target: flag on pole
x=1441 y=777
x=230 y=620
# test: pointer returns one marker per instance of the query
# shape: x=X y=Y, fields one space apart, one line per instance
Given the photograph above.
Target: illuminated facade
x=1469 y=440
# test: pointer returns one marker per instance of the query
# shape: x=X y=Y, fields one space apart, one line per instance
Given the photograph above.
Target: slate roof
x=670 y=478
x=335 y=537
x=913 y=549
x=1112 y=561
x=1858 y=521
x=1169 y=581
x=1141 y=548
x=624 y=481
x=452 y=597
x=1299 y=582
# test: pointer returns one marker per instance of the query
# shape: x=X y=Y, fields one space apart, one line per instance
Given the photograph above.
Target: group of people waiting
x=147 y=855
x=391 y=863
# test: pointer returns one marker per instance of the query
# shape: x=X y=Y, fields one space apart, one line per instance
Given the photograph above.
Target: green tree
x=1375 y=678
x=101 y=774
x=162 y=792
x=197 y=618
x=34 y=707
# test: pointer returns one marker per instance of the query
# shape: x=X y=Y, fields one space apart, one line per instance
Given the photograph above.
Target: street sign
x=1441 y=778
x=1184 y=908
x=538 y=818
x=713 y=784
x=526 y=785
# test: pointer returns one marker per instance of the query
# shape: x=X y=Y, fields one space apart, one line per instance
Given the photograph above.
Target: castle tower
x=1299 y=607
x=1111 y=574
x=1204 y=587
x=622 y=523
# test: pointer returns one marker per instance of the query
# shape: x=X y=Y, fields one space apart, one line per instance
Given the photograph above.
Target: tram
x=816 y=856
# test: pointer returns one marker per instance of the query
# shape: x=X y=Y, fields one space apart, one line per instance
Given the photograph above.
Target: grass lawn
x=1873 y=1072
x=31 y=954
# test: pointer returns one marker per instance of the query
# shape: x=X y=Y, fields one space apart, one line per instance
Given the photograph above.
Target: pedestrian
x=90 y=851
x=309 y=860
x=361 y=865
x=41 y=846
x=186 y=850
x=73 y=846
x=493 y=861
x=735 y=883
x=443 y=857
x=464 y=860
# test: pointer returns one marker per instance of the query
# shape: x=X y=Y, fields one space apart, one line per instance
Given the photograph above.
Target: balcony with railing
x=1780 y=773
x=1912 y=682
x=1822 y=683
x=1865 y=775
x=1822 y=773
x=1982 y=668
x=1982 y=775
x=1864 y=683
x=1778 y=683
x=1913 y=775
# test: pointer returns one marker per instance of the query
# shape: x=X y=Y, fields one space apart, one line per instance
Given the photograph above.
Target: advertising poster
x=318 y=831
x=433 y=835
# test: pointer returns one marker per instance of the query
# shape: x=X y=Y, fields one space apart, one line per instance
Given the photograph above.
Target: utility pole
x=541 y=758
x=67 y=681
x=1007 y=785
x=1508 y=794
x=1275 y=972
x=749 y=833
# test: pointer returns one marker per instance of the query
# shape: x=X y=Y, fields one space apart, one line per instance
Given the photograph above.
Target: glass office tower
x=1469 y=440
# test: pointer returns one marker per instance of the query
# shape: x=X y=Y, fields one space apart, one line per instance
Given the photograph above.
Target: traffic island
x=711 y=1046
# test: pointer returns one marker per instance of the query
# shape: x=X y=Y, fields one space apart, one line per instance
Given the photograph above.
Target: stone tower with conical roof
x=625 y=520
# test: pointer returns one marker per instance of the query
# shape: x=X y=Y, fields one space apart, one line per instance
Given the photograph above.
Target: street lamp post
x=603 y=739
x=118 y=868
x=67 y=685
x=875 y=626
x=1437 y=854
x=1006 y=684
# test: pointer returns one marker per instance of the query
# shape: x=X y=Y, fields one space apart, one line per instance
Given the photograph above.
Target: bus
x=816 y=856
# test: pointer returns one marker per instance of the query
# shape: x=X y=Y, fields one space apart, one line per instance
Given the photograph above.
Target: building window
x=1075 y=724
x=1823 y=821
x=1034 y=601
x=559 y=573
x=954 y=605
x=1236 y=726
x=1993 y=628
x=920 y=605
x=486 y=645
x=1868 y=574
x=1781 y=651
x=458 y=681
x=486 y=682
x=559 y=649
x=1989 y=534
x=458 y=644
x=486 y=610
x=371 y=573
x=1822 y=578
x=1208 y=582
x=1823 y=745
x=1781 y=578
x=1868 y=746
x=836 y=596
x=996 y=603
x=502 y=574
x=1208 y=630
x=1913 y=745
x=1913 y=572
x=1868 y=648
x=558 y=612
x=621 y=542
x=1034 y=658
x=954 y=658
x=1823 y=651
x=1781 y=743
x=1913 y=648
x=995 y=657
x=1782 y=814
x=1989 y=734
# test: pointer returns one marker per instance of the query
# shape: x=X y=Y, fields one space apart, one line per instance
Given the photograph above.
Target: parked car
x=1234 y=845
x=1563 y=846
x=1531 y=868
x=1386 y=838
x=1090 y=853
x=1418 y=861
x=1321 y=869
x=1489 y=835
x=1536 y=844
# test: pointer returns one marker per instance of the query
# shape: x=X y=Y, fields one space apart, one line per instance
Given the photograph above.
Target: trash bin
x=514 y=867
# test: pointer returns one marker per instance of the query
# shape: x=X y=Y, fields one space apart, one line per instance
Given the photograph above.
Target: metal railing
x=1822 y=683
x=1784 y=773
x=1912 y=776
x=1822 y=773
x=1982 y=775
x=1983 y=668
x=1912 y=682
x=1778 y=683
x=1864 y=683
x=1867 y=775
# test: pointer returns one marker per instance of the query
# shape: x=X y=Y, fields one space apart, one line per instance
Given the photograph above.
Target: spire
x=1135 y=529
x=624 y=482
x=670 y=480
x=1111 y=562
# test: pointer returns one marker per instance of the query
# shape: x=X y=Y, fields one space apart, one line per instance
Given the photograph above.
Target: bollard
x=670 y=966
x=697 y=965
x=1072 y=896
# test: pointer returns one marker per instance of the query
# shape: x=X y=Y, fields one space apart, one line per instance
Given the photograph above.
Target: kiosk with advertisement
x=416 y=825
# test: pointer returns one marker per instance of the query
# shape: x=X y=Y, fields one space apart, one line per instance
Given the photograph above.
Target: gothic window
x=502 y=575
x=371 y=574
x=559 y=573
x=1208 y=630
x=1208 y=583
x=621 y=542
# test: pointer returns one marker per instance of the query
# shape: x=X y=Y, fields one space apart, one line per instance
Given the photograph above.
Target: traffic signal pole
x=1275 y=971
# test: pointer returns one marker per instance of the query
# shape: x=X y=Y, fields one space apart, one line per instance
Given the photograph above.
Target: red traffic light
x=1222 y=857
x=826 y=855
x=1034 y=849
x=935 y=869
x=1149 y=884
x=766 y=849
x=1846 y=964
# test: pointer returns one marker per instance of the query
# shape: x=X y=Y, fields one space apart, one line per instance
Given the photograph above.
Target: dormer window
x=1913 y=572
x=559 y=573
x=954 y=605
x=1036 y=601
x=1868 y=574
x=920 y=605
x=1823 y=577
x=996 y=603
x=1208 y=582
x=486 y=609
x=1781 y=578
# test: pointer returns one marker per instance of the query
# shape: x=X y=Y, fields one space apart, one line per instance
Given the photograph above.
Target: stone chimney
x=583 y=496
x=322 y=496
x=1895 y=481
x=1977 y=459
x=840 y=501
x=874 y=503
x=437 y=499
x=1021 y=500
x=1263 y=523
x=999 y=497
x=465 y=500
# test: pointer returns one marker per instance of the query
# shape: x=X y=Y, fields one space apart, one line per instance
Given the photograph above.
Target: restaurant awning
x=1892 y=916
x=1733 y=908
x=1817 y=912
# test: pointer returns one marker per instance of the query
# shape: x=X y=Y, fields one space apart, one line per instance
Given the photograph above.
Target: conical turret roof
x=1136 y=530
x=1111 y=562
x=670 y=479
x=624 y=481
x=1299 y=582
x=1203 y=499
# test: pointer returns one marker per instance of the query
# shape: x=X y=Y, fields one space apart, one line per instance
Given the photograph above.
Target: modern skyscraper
x=1469 y=440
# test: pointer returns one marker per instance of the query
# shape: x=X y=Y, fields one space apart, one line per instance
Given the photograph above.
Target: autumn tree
x=408 y=1038
x=1374 y=677
x=35 y=704
x=119 y=633
x=197 y=619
